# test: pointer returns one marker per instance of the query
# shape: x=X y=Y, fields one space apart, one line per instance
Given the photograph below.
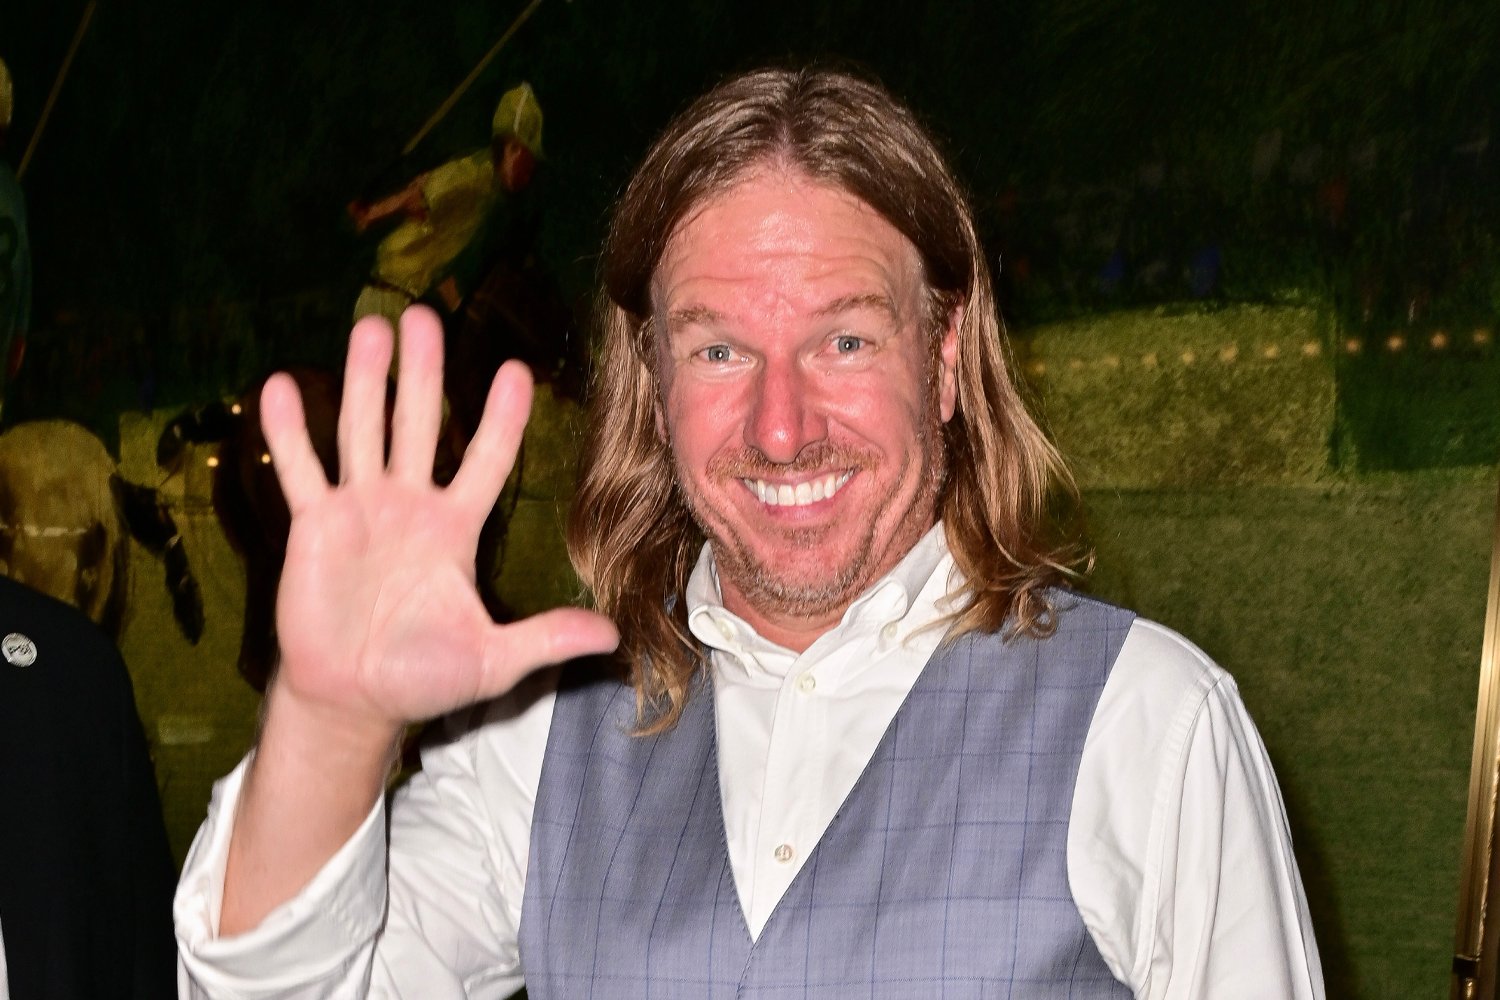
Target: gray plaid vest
x=943 y=874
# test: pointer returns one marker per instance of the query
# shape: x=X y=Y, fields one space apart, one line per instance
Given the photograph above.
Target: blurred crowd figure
x=86 y=875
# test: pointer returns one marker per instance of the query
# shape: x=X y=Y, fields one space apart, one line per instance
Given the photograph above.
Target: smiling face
x=802 y=392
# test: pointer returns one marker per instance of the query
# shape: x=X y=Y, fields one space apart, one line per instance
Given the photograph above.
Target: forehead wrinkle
x=739 y=304
x=787 y=253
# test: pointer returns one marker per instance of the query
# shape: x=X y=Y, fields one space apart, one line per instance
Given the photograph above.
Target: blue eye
x=847 y=343
x=717 y=352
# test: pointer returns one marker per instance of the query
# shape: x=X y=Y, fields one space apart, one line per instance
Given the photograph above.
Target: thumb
x=555 y=636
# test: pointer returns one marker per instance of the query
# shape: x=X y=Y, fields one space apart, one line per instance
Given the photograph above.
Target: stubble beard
x=774 y=590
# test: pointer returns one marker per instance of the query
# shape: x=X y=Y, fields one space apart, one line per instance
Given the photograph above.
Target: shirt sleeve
x=1179 y=852
x=435 y=917
x=317 y=944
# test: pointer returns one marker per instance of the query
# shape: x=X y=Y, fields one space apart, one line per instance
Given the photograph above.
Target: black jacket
x=86 y=876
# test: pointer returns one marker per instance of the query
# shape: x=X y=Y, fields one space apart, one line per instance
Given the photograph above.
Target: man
x=867 y=746
x=444 y=213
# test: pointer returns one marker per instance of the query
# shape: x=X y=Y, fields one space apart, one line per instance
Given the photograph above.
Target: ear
x=948 y=365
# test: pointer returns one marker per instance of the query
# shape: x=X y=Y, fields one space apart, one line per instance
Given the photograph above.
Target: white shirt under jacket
x=1179 y=856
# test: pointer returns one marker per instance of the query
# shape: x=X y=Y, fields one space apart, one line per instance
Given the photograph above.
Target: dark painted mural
x=1250 y=254
x=189 y=192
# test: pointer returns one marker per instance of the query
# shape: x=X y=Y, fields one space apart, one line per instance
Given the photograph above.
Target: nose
x=785 y=416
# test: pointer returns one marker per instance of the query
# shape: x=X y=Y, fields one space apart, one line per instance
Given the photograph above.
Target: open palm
x=378 y=615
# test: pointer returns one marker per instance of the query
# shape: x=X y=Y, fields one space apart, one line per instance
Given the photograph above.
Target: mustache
x=821 y=456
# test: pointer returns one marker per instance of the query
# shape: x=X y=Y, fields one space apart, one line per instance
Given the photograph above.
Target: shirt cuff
x=324 y=934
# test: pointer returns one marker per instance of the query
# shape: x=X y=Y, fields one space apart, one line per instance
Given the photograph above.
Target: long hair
x=631 y=537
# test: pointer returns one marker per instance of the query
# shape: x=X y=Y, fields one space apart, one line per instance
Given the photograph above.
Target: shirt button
x=784 y=853
x=807 y=683
x=725 y=630
x=890 y=632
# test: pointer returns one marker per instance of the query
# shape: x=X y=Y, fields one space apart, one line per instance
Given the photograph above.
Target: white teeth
x=802 y=494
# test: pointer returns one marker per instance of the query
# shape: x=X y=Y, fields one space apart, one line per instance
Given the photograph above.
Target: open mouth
x=801 y=495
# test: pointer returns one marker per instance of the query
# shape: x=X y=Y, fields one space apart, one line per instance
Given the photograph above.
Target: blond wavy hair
x=631 y=537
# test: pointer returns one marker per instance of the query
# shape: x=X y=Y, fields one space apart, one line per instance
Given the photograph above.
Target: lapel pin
x=19 y=650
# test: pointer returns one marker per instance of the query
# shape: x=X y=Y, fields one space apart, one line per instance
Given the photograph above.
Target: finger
x=284 y=424
x=556 y=636
x=362 y=412
x=419 y=396
x=492 y=452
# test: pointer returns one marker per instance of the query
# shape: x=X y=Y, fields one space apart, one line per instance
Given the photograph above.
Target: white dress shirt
x=1178 y=854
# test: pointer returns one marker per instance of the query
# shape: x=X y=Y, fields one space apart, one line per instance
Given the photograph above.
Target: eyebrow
x=693 y=316
x=697 y=315
x=862 y=300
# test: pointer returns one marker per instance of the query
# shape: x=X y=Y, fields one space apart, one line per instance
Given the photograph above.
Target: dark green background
x=1339 y=157
x=187 y=197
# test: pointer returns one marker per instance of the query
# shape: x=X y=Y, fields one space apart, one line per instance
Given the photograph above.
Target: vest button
x=783 y=853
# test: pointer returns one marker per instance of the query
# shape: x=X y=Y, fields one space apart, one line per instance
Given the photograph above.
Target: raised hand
x=378 y=614
x=378 y=617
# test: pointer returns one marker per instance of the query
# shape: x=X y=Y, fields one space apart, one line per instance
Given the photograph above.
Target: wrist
x=316 y=775
x=313 y=755
x=327 y=744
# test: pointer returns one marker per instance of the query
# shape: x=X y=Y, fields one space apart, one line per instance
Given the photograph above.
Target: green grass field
x=1351 y=615
x=1348 y=602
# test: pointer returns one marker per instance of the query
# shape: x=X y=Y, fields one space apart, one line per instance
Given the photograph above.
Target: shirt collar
x=888 y=601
